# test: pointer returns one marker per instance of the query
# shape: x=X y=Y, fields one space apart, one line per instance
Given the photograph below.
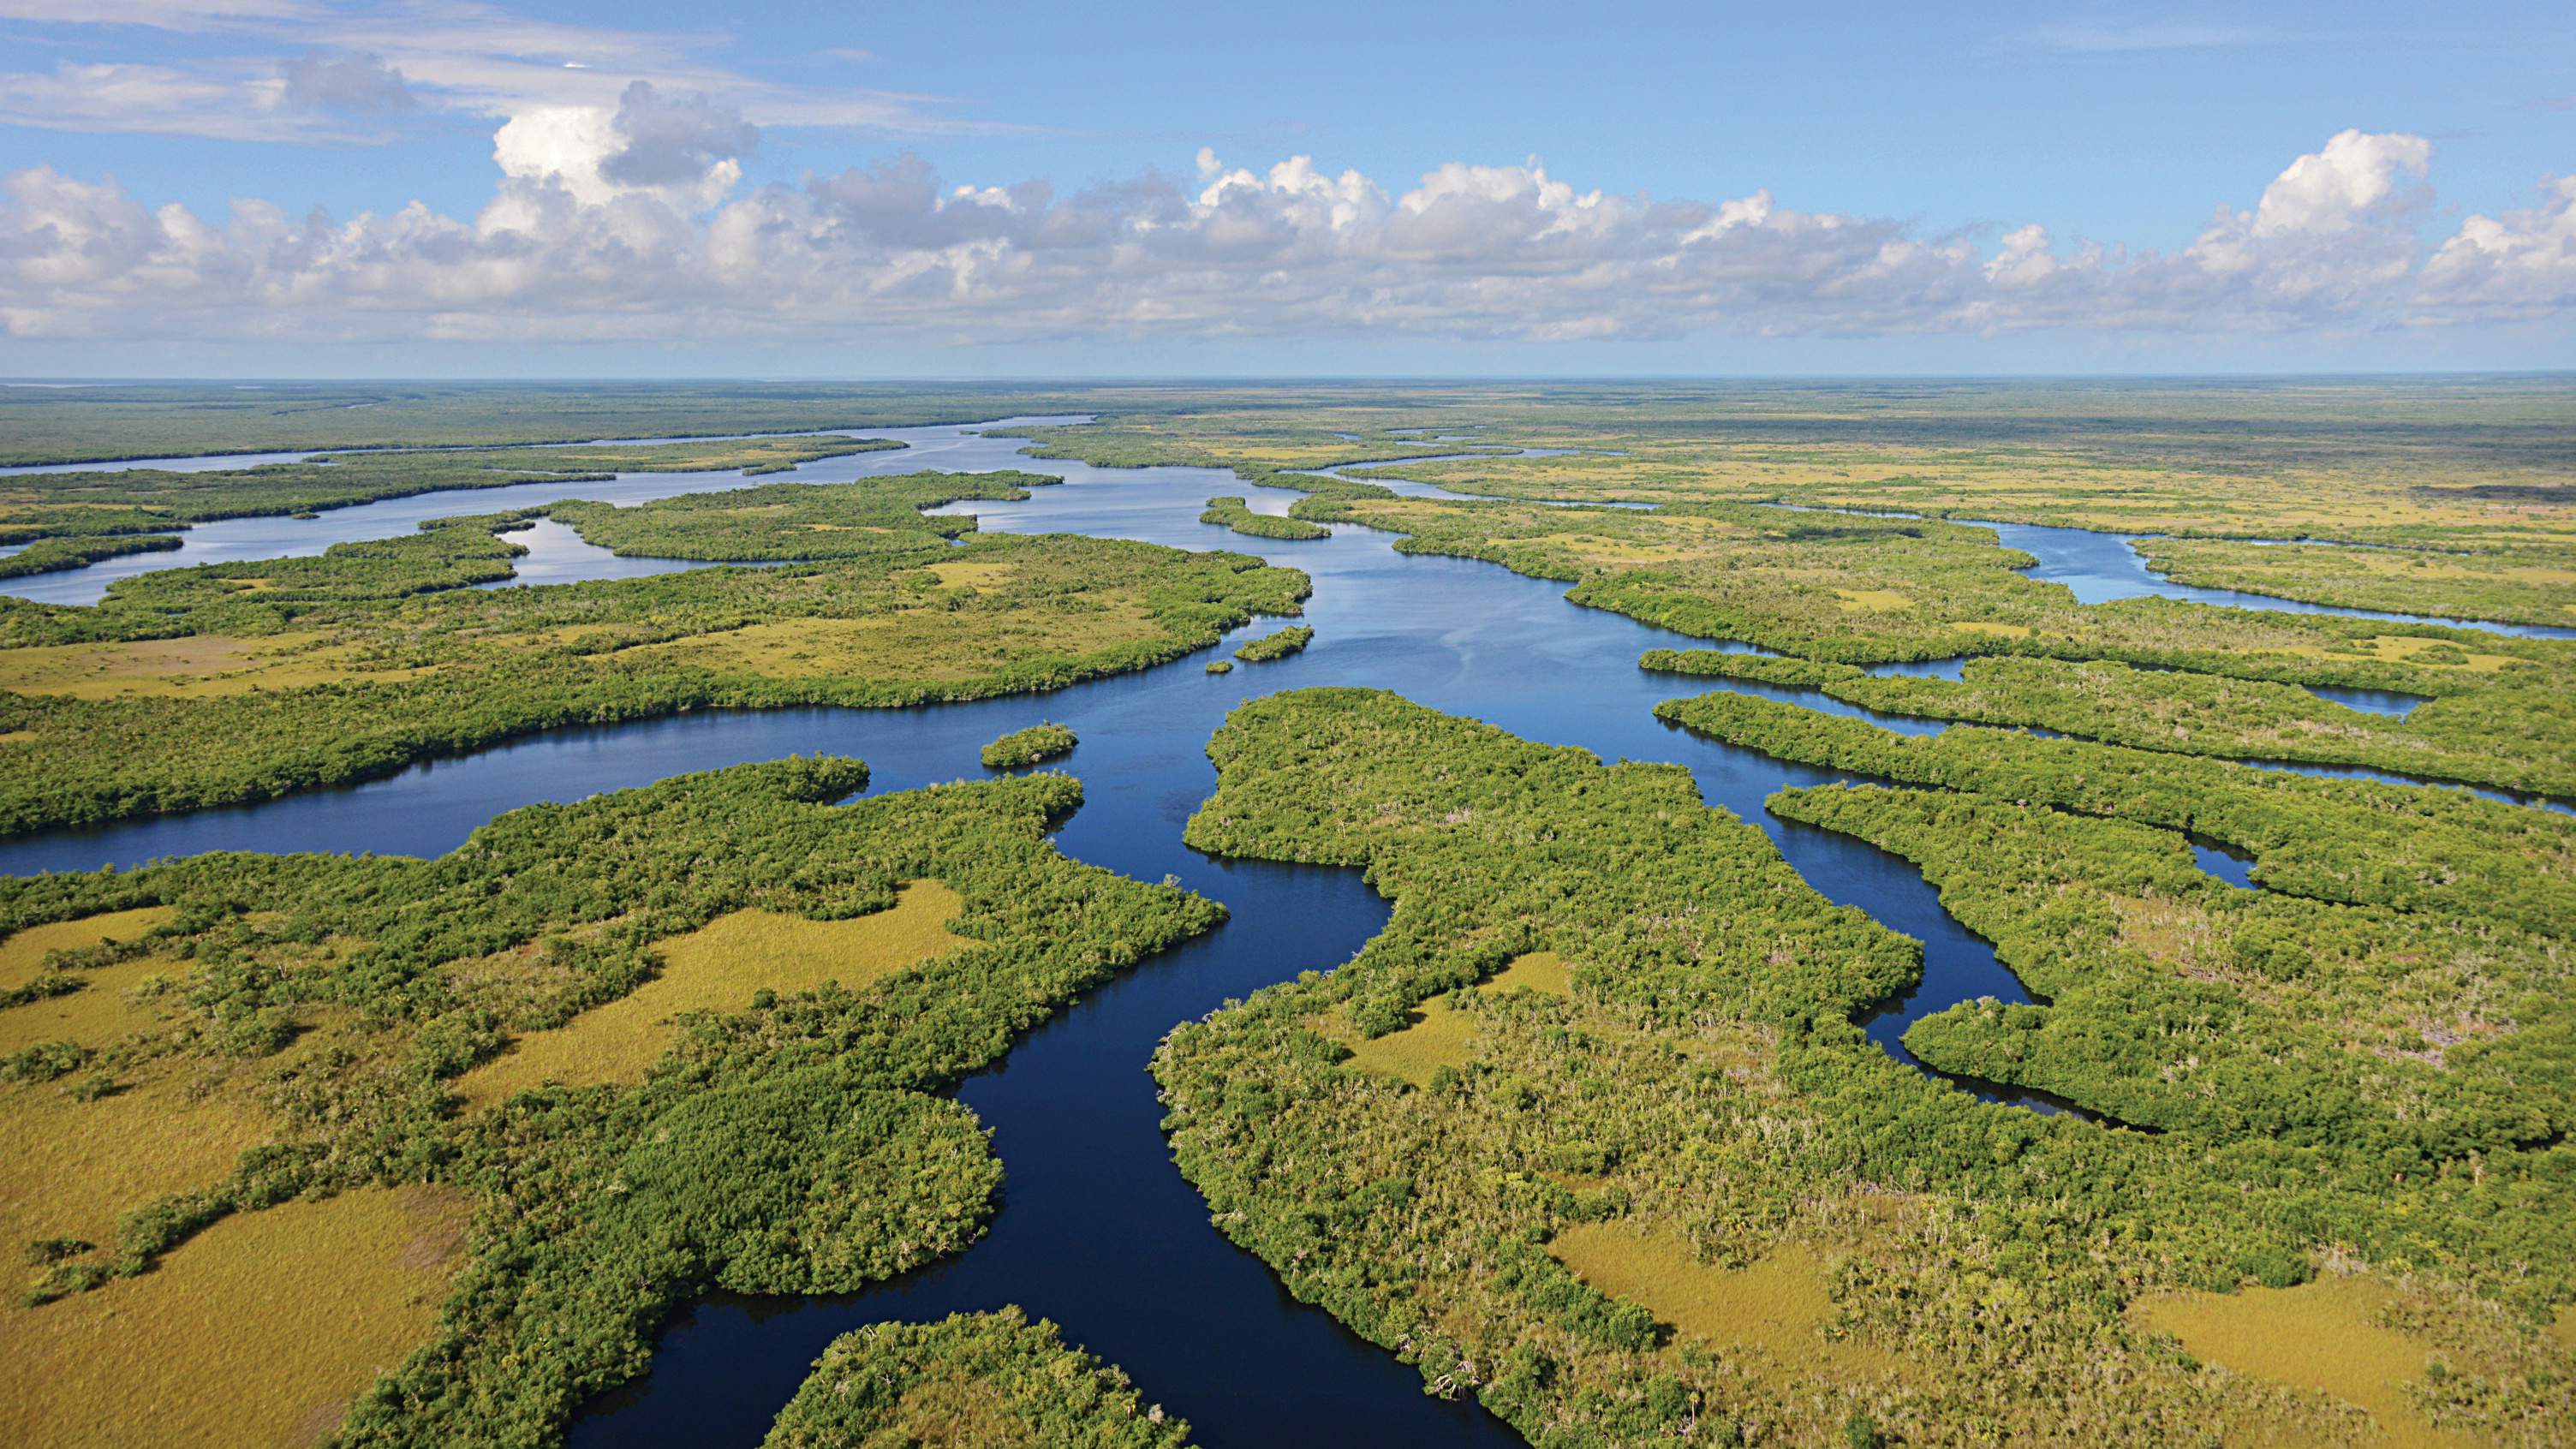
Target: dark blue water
x=2368 y=701
x=2225 y=862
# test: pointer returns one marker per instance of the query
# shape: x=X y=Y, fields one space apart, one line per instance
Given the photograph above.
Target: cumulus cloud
x=625 y=222
x=2513 y=268
x=684 y=152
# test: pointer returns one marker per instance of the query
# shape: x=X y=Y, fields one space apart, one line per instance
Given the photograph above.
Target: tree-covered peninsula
x=237 y=682
x=1589 y=1131
x=276 y=1038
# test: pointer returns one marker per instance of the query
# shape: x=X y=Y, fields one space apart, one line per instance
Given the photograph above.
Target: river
x=1097 y=1230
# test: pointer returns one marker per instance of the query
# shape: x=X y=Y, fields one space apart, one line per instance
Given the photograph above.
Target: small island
x=1026 y=747
x=1275 y=646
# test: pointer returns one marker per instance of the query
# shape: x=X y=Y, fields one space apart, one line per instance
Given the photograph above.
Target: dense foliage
x=990 y=1380
x=2464 y=575
x=145 y=500
x=796 y=520
x=53 y=555
x=1022 y=748
x=1232 y=513
x=1276 y=645
x=2362 y=842
x=1760 y=668
x=2519 y=737
x=2182 y=1003
x=1704 y=1083
x=403 y=678
x=791 y=1145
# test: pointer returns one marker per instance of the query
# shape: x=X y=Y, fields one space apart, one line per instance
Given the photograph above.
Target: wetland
x=1603 y=1099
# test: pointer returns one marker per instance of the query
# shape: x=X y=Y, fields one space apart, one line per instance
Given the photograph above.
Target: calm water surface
x=1097 y=1230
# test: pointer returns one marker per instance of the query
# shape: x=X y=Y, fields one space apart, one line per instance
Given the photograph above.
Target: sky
x=990 y=188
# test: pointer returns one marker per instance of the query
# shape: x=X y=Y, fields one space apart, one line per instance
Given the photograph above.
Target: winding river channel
x=1097 y=1230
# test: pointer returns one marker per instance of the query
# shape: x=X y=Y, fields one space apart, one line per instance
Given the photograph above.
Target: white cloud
x=447 y=55
x=626 y=221
x=2515 y=268
x=684 y=152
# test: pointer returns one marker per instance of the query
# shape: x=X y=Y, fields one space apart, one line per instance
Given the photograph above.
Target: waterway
x=1097 y=1231
x=947 y=448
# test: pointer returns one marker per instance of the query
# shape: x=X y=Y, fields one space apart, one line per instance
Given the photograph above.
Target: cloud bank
x=629 y=222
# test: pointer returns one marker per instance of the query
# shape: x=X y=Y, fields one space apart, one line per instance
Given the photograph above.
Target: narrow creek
x=1097 y=1231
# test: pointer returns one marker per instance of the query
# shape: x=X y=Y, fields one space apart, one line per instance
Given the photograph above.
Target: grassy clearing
x=68 y=1168
x=1540 y=971
x=974 y=575
x=1858 y=599
x=1440 y=1034
x=104 y=1009
x=200 y=667
x=1437 y=1035
x=908 y=645
x=2406 y=648
x=256 y=1332
x=717 y=968
x=22 y=951
x=1778 y=1307
x=2324 y=1336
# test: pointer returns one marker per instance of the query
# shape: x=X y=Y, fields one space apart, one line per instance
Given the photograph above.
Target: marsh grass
x=913 y=644
x=2325 y=1336
x=1440 y=1034
x=1777 y=1307
x=197 y=667
x=22 y=951
x=69 y=1168
x=2403 y=648
x=255 y=1332
x=104 y=1009
x=717 y=968
x=1540 y=971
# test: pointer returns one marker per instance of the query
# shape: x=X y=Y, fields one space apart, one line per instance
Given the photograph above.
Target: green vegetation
x=795 y=521
x=253 y=596
x=385 y=676
x=1232 y=513
x=2181 y=1003
x=2519 y=738
x=1970 y=1266
x=1026 y=747
x=2360 y=842
x=1759 y=668
x=54 y=555
x=2465 y=577
x=791 y=1143
x=151 y=500
x=1278 y=645
x=985 y=1379
x=1832 y=592
x=1220 y=666
x=2449 y=467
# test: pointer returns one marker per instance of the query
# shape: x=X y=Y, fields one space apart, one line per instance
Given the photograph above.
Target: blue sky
x=1629 y=188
